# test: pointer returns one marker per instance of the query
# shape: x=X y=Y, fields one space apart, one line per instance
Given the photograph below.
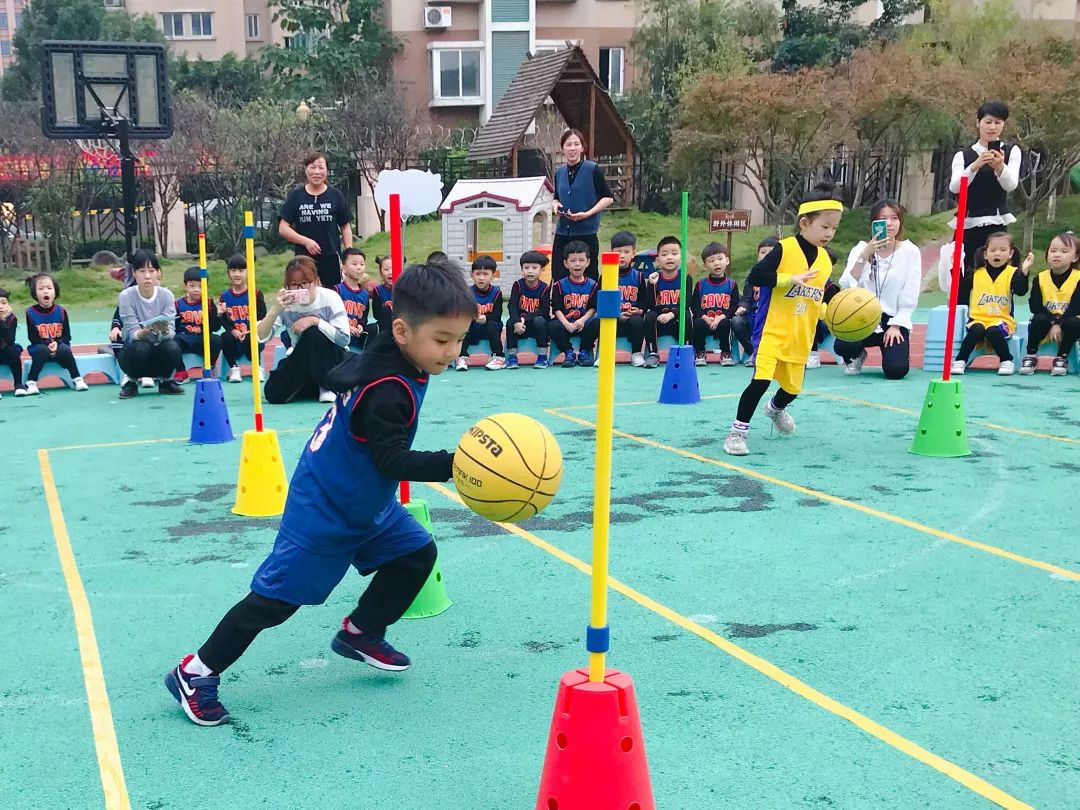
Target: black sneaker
x=372 y=650
x=129 y=389
x=1028 y=365
x=197 y=695
x=1061 y=367
x=169 y=387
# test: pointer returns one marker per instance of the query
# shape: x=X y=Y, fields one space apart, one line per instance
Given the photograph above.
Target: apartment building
x=208 y=28
x=11 y=14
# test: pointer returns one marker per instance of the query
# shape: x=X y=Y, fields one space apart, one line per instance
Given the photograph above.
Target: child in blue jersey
x=342 y=508
x=49 y=331
x=488 y=324
x=742 y=325
x=573 y=308
x=632 y=287
x=665 y=304
x=792 y=278
x=10 y=351
x=233 y=309
x=713 y=302
x=382 y=295
x=354 y=295
x=529 y=309
x=189 y=325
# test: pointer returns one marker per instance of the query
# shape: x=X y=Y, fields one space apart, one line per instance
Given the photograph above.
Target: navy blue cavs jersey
x=355 y=301
x=236 y=308
x=715 y=297
x=573 y=300
x=385 y=294
x=45 y=326
x=667 y=293
x=488 y=302
x=188 y=318
x=526 y=301
x=630 y=288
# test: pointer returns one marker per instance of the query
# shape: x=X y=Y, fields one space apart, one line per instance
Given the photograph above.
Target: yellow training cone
x=262 y=486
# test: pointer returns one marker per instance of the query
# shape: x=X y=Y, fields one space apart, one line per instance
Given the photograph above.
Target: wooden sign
x=729 y=221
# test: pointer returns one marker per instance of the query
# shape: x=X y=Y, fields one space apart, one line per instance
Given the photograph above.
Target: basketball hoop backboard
x=88 y=87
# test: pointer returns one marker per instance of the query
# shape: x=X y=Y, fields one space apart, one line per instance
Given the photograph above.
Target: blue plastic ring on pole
x=608 y=303
x=204 y=273
x=249 y=231
x=597 y=638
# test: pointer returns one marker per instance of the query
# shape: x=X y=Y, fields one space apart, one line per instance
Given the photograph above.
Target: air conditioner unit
x=114 y=3
x=437 y=17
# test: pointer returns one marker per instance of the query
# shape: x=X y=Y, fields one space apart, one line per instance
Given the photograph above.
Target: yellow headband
x=820 y=205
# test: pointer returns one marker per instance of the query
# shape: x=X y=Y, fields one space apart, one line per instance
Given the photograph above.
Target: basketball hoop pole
x=127 y=184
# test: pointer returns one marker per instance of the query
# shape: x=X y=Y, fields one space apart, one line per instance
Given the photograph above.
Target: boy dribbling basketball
x=341 y=508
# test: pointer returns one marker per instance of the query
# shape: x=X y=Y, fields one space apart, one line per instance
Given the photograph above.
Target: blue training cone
x=209 y=416
x=680 y=385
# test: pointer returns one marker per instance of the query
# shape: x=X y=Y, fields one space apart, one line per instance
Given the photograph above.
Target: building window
x=18 y=18
x=5 y=47
x=202 y=24
x=172 y=24
x=611 y=70
x=252 y=26
x=3 y=21
x=456 y=73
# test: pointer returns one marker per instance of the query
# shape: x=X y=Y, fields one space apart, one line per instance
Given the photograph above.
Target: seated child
x=10 y=351
x=573 y=308
x=362 y=445
x=49 y=331
x=488 y=324
x=742 y=325
x=988 y=291
x=632 y=286
x=148 y=313
x=233 y=309
x=382 y=296
x=354 y=295
x=529 y=309
x=713 y=304
x=664 y=299
x=189 y=325
x=1055 y=305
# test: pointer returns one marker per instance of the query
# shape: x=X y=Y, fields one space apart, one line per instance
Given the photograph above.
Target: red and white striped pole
x=957 y=260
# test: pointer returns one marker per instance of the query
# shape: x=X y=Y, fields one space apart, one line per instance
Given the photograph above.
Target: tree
x=826 y=33
x=225 y=82
x=173 y=163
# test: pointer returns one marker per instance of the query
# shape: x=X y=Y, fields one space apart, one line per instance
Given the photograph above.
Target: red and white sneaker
x=197 y=695
x=372 y=650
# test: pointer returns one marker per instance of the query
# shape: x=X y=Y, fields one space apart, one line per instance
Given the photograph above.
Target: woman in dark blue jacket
x=581 y=193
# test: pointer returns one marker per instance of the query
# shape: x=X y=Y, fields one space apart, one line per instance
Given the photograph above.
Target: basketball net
x=100 y=154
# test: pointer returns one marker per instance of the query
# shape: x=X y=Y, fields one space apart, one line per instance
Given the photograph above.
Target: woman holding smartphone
x=991 y=177
x=318 y=328
x=889 y=266
x=581 y=195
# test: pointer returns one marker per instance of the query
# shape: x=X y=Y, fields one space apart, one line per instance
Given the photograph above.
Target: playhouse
x=475 y=210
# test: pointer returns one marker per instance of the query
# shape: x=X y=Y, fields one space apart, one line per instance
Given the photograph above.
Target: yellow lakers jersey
x=1056 y=299
x=991 y=300
x=791 y=313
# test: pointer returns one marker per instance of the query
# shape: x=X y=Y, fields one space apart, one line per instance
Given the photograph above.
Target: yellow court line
x=825 y=496
x=992 y=425
x=97 y=697
x=134 y=442
x=770 y=670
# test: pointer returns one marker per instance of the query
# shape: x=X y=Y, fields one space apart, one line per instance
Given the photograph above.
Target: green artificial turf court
x=829 y=622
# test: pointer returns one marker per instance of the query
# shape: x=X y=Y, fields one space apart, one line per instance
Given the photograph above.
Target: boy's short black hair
x=145 y=258
x=236 y=262
x=436 y=256
x=623 y=239
x=769 y=242
x=479 y=263
x=31 y=284
x=105 y=258
x=4 y=293
x=712 y=249
x=433 y=290
x=668 y=240
x=193 y=273
x=352 y=252
x=998 y=109
x=533 y=257
x=575 y=246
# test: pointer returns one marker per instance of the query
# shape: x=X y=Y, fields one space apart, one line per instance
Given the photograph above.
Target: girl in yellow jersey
x=792 y=281
x=989 y=291
x=1055 y=305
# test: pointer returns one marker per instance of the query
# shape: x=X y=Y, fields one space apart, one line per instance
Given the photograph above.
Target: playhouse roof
x=520 y=192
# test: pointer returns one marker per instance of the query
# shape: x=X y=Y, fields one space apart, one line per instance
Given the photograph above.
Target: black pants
x=751 y=397
x=304 y=372
x=39 y=356
x=632 y=327
x=329 y=268
x=653 y=329
x=193 y=345
x=558 y=260
x=742 y=329
x=975 y=333
x=393 y=588
x=561 y=338
x=11 y=356
x=895 y=359
x=236 y=349
x=489 y=330
x=702 y=332
x=821 y=331
x=1040 y=326
x=975 y=238
x=536 y=328
x=141 y=358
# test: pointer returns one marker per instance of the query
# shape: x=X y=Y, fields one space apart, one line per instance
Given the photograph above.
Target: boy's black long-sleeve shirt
x=8 y=327
x=1019 y=286
x=1038 y=307
x=384 y=412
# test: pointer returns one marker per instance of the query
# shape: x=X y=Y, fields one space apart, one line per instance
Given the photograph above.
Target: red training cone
x=595 y=753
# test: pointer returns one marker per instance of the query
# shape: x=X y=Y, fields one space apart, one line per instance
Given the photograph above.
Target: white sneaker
x=124 y=378
x=234 y=375
x=596 y=360
x=461 y=364
x=1007 y=368
x=80 y=384
x=781 y=419
x=637 y=359
x=147 y=382
x=1061 y=367
x=814 y=360
x=326 y=396
x=21 y=392
x=959 y=366
x=855 y=366
x=735 y=443
x=31 y=388
x=496 y=363
x=1029 y=364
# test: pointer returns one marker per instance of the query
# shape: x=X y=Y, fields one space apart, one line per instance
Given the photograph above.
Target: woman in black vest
x=581 y=193
x=990 y=176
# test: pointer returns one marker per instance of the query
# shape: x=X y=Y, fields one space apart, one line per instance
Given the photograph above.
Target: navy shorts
x=299 y=576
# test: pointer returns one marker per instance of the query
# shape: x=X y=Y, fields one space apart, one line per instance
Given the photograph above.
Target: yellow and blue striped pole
x=203 y=276
x=253 y=316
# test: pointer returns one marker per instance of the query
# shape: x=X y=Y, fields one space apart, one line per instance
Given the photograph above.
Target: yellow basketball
x=507 y=467
x=853 y=314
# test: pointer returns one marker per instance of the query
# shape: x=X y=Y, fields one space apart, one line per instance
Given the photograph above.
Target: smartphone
x=879 y=230
x=301 y=296
x=995 y=145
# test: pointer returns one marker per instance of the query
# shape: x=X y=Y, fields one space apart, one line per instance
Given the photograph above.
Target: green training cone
x=432 y=599
x=942 y=430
